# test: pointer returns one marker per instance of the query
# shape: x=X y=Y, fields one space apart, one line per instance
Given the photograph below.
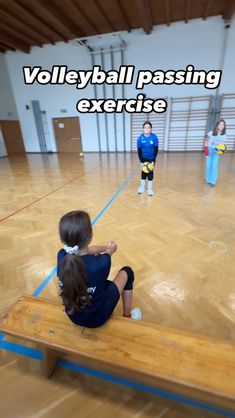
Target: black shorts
x=89 y=319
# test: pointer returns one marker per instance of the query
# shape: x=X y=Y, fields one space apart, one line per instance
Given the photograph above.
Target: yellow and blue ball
x=147 y=167
x=220 y=149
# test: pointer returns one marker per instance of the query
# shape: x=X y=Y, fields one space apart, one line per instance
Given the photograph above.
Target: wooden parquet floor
x=180 y=242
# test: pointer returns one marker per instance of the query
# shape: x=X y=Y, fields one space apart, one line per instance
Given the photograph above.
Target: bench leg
x=49 y=361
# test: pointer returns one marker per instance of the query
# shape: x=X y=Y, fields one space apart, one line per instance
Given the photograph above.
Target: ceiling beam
x=90 y=25
x=102 y=12
x=207 y=8
x=229 y=10
x=124 y=18
x=25 y=10
x=16 y=18
x=144 y=15
x=5 y=47
x=168 y=19
x=187 y=11
x=13 y=42
x=60 y=16
x=11 y=31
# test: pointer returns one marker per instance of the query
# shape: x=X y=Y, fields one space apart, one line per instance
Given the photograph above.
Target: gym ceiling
x=28 y=23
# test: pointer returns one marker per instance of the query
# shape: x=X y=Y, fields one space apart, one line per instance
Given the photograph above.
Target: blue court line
x=114 y=197
x=45 y=282
x=38 y=355
x=53 y=271
x=21 y=349
x=129 y=383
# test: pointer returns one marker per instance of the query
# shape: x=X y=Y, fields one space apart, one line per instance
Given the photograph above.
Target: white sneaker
x=136 y=314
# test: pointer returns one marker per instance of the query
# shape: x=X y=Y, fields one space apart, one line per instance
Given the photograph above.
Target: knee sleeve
x=130 y=277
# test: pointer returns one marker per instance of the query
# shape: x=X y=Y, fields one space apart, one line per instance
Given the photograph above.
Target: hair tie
x=71 y=250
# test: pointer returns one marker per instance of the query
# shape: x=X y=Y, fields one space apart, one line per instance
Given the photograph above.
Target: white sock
x=141 y=189
x=150 y=188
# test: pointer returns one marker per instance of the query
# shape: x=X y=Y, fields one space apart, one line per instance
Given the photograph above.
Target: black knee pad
x=130 y=277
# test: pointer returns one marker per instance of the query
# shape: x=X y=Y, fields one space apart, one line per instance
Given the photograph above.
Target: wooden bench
x=178 y=362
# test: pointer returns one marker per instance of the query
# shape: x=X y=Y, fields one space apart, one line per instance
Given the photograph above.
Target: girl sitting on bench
x=83 y=270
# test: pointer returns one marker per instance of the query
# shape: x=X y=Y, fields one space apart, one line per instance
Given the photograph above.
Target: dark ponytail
x=74 y=291
x=75 y=229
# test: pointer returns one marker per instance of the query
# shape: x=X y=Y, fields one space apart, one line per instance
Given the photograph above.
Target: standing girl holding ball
x=147 y=146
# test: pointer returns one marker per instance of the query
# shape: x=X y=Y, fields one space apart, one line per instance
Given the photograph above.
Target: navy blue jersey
x=97 y=268
x=147 y=144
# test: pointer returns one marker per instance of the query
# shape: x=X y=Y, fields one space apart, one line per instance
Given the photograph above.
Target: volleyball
x=147 y=167
x=220 y=149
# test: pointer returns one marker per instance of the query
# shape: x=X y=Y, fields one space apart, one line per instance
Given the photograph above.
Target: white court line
x=162 y=413
x=8 y=364
x=53 y=405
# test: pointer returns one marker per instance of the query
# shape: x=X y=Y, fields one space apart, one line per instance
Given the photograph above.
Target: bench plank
x=185 y=363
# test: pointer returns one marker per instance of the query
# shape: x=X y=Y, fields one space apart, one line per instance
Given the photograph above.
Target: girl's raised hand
x=112 y=246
